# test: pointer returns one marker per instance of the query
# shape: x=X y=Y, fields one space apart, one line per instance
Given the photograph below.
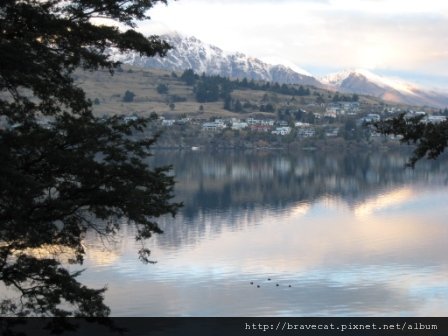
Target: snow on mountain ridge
x=287 y=64
x=191 y=53
x=396 y=84
x=337 y=79
x=362 y=81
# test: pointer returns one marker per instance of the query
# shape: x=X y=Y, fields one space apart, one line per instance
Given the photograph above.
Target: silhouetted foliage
x=430 y=139
x=64 y=171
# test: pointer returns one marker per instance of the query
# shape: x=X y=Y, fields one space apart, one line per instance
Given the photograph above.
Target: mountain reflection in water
x=340 y=234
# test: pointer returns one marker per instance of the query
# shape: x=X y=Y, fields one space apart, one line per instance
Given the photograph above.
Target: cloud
x=376 y=34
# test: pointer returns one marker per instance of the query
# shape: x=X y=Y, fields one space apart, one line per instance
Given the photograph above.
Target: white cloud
x=388 y=34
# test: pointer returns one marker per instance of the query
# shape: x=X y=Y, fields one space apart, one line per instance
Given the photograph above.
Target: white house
x=238 y=125
x=306 y=132
x=302 y=124
x=168 y=122
x=373 y=117
x=285 y=130
x=130 y=118
x=214 y=125
x=265 y=122
x=434 y=119
x=333 y=111
x=332 y=132
x=370 y=118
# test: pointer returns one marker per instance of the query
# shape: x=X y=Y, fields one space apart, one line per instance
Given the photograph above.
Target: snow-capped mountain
x=350 y=80
x=191 y=53
x=365 y=82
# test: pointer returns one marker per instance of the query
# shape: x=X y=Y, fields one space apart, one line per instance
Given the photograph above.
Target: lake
x=278 y=234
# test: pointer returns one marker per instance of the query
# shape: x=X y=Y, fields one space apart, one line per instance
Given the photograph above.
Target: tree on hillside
x=206 y=90
x=228 y=103
x=64 y=171
x=238 y=107
x=189 y=77
x=430 y=139
x=128 y=96
x=162 y=88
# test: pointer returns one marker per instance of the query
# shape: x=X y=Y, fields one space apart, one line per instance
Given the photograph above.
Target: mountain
x=191 y=53
x=365 y=82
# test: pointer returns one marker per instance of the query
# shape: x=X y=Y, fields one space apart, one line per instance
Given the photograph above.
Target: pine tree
x=162 y=88
x=228 y=103
x=128 y=96
x=188 y=77
x=238 y=107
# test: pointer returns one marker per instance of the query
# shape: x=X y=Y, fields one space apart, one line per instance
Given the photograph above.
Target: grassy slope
x=143 y=82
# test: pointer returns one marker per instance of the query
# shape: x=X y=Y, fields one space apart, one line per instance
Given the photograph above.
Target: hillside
x=189 y=52
x=108 y=93
x=215 y=112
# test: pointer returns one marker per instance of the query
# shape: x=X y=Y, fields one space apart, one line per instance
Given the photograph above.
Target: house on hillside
x=434 y=119
x=266 y=122
x=168 y=122
x=239 y=125
x=214 y=125
x=332 y=110
x=284 y=130
x=130 y=118
x=260 y=128
x=368 y=119
x=332 y=132
x=302 y=124
x=306 y=132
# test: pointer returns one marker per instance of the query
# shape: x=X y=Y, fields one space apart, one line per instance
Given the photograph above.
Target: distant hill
x=180 y=99
x=191 y=53
x=365 y=82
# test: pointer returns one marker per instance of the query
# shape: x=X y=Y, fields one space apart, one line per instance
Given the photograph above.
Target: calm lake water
x=340 y=234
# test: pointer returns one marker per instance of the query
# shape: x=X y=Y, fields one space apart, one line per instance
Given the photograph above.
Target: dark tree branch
x=430 y=140
x=78 y=172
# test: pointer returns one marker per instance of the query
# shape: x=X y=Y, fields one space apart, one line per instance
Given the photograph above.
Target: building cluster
x=336 y=109
x=425 y=118
x=343 y=110
x=267 y=126
x=252 y=124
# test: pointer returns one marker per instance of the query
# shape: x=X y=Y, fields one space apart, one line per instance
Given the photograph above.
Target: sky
x=401 y=38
